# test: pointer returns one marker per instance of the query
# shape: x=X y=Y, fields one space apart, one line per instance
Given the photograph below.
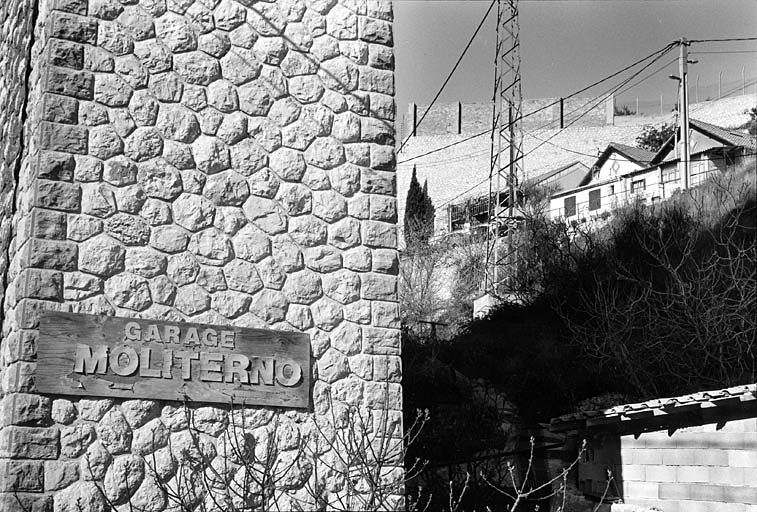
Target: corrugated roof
x=656 y=407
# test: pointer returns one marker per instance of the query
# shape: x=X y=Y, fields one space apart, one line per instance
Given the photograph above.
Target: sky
x=566 y=45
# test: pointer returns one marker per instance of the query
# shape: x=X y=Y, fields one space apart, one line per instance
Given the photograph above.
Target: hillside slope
x=462 y=171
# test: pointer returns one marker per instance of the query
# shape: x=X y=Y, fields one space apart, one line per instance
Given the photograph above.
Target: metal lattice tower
x=506 y=152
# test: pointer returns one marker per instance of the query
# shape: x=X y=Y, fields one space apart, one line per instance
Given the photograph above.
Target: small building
x=624 y=174
x=466 y=216
x=680 y=454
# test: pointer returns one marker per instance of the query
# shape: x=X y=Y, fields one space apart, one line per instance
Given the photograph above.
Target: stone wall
x=15 y=36
x=219 y=161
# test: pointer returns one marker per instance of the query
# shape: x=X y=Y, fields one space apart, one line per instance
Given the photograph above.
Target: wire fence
x=699 y=92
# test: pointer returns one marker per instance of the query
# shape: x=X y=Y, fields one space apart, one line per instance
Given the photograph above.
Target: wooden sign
x=105 y=356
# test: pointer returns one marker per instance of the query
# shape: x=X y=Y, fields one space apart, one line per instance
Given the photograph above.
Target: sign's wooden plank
x=105 y=356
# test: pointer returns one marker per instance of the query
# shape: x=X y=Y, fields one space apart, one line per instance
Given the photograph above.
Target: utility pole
x=697 y=90
x=720 y=84
x=683 y=69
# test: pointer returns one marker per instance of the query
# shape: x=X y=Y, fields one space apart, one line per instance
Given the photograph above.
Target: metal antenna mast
x=506 y=127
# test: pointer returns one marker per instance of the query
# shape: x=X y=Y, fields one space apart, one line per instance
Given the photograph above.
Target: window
x=570 y=206
x=595 y=199
x=612 y=190
x=670 y=174
x=638 y=186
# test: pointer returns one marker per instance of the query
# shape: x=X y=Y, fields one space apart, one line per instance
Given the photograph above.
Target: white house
x=624 y=174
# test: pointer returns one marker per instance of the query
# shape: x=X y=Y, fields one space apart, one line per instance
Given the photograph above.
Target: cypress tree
x=414 y=212
x=428 y=213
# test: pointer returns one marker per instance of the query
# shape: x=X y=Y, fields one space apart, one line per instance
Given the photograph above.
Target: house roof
x=733 y=137
x=636 y=155
x=555 y=172
x=722 y=135
x=659 y=408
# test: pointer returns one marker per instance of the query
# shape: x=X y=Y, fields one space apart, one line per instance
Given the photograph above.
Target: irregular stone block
x=378 y=287
x=82 y=227
x=242 y=276
x=143 y=144
x=79 y=286
x=48 y=224
x=211 y=247
x=63 y=137
x=29 y=442
x=51 y=254
x=332 y=366
x=52 y=165
x=57 y=195
x=197 y=67
x=59 y=474
x=192 y=299
x=114 y=38
x=376 y=31
x=88 y=169
x=102 y=256
x=379 y=234
x=167 y=86
x=73 y=27
x=323 y=258
x=60 y=109
x=128 y=229
x=104 y=142
x=75 y=439
x=178 y=123
x=303 y=287
x=154 y=56
x=98 y=200
x=344 y=286
x=21 y=476
x=170 y=239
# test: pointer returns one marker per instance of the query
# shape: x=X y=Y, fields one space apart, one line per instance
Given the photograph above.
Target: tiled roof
x=549 y=174
x=723 y=135
x=733 y=137
x=657 y=407
x=638 y=155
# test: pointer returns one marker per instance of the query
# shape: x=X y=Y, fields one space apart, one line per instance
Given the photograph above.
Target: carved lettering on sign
x=118 y=357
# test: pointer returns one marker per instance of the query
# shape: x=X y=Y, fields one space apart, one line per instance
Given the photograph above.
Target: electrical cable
x=724 y=51
x=449 y=76
x=722 y=40
x=597 y=100
x=598 y=82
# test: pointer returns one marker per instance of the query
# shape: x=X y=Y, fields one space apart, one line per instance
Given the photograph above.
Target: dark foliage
x=661 y=302
x=751 y=125
x=652 y=137
x=419 y=213
x=623 y=110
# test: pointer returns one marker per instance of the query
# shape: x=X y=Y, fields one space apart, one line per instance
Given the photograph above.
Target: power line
x=723 y=40
x=598 y=82
x=449 y=76
x=723 y=51
x=597 y=100
x=443 y=147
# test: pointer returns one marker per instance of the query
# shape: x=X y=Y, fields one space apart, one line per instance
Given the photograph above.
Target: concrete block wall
x=215 y=161
x=703 y=468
